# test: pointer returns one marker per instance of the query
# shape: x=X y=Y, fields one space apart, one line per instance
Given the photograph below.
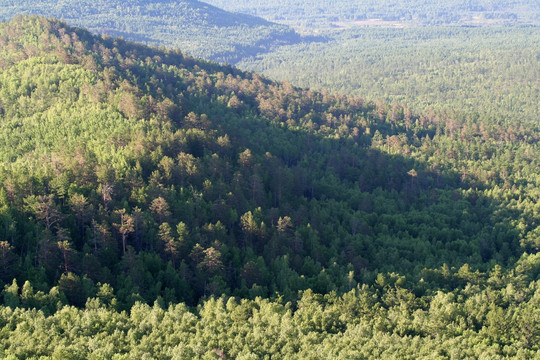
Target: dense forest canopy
x=310 y=15
x=485 y=71
x=154 y=205
x=488 y=72
x=476 y=56
x=196 y=27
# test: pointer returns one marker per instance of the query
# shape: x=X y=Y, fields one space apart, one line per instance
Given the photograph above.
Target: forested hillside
x=196 y=27
x=489 y=72
x=480 y=67
x=476 y=56
x=301 y=224
x=310 y=15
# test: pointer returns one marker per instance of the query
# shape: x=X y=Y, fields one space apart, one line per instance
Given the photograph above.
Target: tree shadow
x=345 y=175
x=368 y=205
x=310 y=190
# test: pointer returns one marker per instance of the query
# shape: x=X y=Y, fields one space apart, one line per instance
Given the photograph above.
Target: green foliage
x=196 y=27
x=316 y=14
x=420 y=193
x=489 y=73
x=366 y=322
x=129 y=176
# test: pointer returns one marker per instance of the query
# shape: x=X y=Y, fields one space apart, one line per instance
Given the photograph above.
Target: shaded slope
x=166 y=176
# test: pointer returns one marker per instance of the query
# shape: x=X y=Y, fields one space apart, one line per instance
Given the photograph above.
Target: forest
x=154 y=205
x=314 y=15
x=488 y=72
x=196 y=27
x=486 y=69
x=478 y=57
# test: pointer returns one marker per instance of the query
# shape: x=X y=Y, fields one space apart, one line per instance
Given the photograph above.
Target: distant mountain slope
x=491 y=72
x=198 y=28
x=480 y=57
x=313 y=14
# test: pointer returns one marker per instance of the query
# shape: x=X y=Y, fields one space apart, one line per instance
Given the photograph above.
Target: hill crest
x=198 y=28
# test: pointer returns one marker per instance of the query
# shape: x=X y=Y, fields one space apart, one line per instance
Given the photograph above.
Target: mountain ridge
x=247 y=210
x=199 y=28
x=203 y=116
x=317 y=15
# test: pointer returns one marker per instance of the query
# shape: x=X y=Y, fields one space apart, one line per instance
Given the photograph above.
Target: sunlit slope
x=236 y=179
x=198 y=28
x=313 y=15
x=157 y=206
